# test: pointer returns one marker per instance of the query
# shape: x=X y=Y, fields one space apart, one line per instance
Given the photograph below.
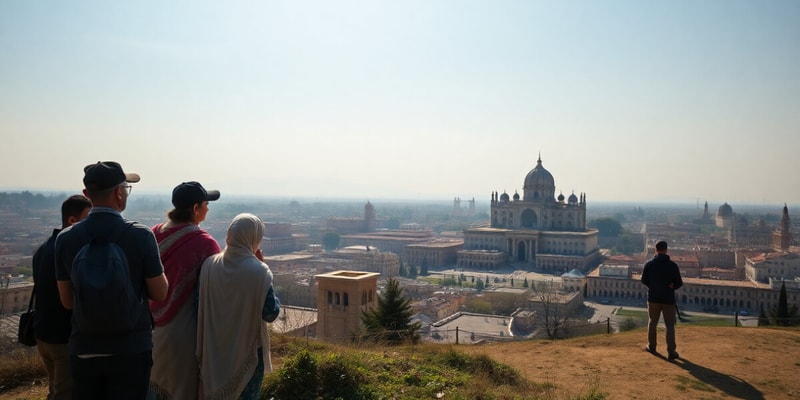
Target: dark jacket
x=659 y=272
x=144 y=262
x=52 y=321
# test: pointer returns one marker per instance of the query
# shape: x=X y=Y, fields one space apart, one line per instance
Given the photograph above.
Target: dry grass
x=716 y=363
x=20 y=367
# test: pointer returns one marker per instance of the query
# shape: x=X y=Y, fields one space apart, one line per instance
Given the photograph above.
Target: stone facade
x=434 y=253
x=538 y=231
x=14 y=297
x=341 y=298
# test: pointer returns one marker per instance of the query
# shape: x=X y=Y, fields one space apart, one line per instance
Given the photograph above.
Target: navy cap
x=188 y=194
x=105 y=175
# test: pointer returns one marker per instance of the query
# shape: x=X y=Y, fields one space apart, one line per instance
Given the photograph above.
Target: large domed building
x=724 y=218
x=539 y=231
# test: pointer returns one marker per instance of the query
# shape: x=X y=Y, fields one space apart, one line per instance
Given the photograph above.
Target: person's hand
x=261 y=256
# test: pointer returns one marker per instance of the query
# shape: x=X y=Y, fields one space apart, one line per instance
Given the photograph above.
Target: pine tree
x=783 y=307
x=423 y=269
x=479 y=285
x=412 y=272
x=525 y=283
x=784 y=314
x=390 y=322
x=401 y=271
x=512 y=282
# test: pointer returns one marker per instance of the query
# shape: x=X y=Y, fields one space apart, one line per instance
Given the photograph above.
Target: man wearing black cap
x=662 y=277
x=110 y=363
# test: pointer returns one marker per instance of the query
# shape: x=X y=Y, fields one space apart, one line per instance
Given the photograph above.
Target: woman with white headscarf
x=235 y=299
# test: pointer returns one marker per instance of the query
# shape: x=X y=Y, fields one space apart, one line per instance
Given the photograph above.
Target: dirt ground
x=715 y=363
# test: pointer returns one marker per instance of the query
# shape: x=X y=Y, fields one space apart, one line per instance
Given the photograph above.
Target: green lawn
x=687 y=318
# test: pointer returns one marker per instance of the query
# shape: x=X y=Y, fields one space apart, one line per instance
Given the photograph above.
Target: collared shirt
x=144 y=262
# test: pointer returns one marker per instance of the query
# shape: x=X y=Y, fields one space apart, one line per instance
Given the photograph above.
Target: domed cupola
x=561 y=197
x=572 y=199
x=539 y=184
x=725 y=210
x=504 y=197
x=516 y=196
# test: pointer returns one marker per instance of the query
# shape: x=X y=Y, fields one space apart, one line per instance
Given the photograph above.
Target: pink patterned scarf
x=183 y=249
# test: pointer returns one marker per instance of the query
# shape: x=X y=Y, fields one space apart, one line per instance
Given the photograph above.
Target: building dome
x=516 y=196
x=572 y=199
x=561 y=197
x=504 y=197
x=539 y=184
x=725 y=211
x=539 y=177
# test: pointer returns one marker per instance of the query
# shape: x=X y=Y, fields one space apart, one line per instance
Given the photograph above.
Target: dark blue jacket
x=659 y=272
x=144 y=261
x=52 y=321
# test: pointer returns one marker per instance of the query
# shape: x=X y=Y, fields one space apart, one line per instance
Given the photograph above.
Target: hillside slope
x=716 y=363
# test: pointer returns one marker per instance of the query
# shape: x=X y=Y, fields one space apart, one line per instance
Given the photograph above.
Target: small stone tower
x=341 y=297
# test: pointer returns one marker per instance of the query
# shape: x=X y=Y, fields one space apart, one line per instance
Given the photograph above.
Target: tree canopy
x=391 y=322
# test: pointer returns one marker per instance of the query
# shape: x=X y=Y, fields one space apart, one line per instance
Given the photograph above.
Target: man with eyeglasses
x=109 y=362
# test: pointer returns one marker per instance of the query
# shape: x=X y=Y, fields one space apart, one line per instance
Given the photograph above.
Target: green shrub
x=297 y=379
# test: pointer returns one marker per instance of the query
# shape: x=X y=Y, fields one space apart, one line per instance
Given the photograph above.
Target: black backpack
x=105 y=301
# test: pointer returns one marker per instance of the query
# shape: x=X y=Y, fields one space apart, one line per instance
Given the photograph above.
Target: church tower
x=706 y=215
x=370 y=220
x=782 y=238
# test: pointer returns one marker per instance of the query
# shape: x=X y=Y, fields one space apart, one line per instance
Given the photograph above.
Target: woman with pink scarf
x=184 y=247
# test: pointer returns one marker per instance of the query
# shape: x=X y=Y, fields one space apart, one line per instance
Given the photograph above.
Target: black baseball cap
x=105 y=175
x=188 y=194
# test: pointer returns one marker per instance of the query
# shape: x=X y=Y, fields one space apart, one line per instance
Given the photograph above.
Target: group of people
x=125 y=311
x=186 y=319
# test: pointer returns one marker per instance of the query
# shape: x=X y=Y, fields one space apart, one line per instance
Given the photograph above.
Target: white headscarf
x=233 y=286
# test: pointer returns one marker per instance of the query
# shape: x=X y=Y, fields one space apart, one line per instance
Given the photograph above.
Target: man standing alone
x=106 y=269
x=662 y=277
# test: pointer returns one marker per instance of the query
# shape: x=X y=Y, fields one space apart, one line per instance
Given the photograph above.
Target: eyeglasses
x=128 y=188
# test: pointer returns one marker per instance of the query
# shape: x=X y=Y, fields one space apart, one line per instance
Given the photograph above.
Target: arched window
x=330 y=297
x=363 y=297
x=346 y=299
x=338 y=300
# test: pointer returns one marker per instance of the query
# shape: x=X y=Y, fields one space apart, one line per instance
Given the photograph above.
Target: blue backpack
x=105 y=301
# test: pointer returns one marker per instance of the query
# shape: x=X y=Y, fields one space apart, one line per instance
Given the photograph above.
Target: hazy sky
x=625 y=100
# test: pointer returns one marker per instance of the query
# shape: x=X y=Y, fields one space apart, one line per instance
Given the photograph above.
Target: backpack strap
x=33 y=296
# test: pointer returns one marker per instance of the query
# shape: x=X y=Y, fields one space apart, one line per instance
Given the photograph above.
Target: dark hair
x=102 y=193
x=73 y=207
x=661 y=245
x=181 y=215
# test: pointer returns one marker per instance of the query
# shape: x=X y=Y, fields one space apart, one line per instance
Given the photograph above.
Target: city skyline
x=624 y=101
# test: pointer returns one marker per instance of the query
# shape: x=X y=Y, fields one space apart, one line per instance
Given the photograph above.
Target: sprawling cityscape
x=535 y=263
